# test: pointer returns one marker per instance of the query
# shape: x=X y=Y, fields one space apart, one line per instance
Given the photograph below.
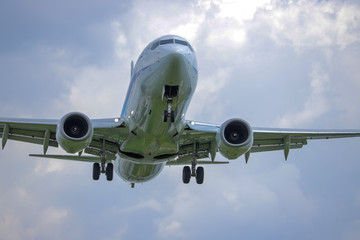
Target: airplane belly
x=136 y=172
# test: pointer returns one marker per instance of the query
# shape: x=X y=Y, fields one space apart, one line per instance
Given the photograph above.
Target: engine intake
x=74 y=132
x=234 y=138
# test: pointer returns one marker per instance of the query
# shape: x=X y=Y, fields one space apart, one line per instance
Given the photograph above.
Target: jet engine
x=74 y=132
x=234 y=138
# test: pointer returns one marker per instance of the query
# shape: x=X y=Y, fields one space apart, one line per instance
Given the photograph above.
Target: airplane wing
x=200 y=139
x=108 y=134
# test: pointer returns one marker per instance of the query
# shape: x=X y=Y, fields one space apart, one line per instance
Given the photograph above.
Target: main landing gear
x=97 y=170
x=188 y=172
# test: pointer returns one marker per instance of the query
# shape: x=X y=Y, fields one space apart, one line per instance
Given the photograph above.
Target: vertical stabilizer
x=132 y=69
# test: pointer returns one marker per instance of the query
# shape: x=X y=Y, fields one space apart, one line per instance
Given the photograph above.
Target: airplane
x=151 y=131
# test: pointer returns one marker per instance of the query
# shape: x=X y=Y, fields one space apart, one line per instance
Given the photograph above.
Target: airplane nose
x=175 y=59
x=175 y=66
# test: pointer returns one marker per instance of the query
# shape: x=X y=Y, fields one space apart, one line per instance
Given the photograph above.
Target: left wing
x=108 y=135
x=199 y=140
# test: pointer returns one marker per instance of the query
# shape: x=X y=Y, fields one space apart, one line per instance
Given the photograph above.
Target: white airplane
x=152 y=131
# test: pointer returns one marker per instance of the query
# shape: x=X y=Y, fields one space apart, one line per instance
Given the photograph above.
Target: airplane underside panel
x=133 y=172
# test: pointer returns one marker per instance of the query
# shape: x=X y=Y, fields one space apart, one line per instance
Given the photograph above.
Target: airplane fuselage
x=162 y=82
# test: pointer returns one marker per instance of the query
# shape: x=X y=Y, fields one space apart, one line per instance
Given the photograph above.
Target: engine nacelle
x=74 y=132
x=234 y=138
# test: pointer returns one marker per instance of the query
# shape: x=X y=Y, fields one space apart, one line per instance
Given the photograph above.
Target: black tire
x=172 y=116
x=200 y=175
x=186 y=175
x=109 y=171
x=165 y=115
x=96 y=171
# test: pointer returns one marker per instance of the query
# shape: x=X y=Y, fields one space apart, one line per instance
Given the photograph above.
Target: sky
x=273 y=63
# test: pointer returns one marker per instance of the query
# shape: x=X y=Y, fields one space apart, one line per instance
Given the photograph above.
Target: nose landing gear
x=169 y=113
x=170 y=92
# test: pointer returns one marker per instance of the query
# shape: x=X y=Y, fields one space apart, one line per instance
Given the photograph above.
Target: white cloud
x=152 y=204
x=95 y=91
x=171 y=229
x=240 y=10
x=316 y=104
x=45 y=166
x=311 y=24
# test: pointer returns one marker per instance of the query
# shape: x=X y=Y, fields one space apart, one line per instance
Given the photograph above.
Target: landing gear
x=96 y=171
x=170 y=92
x=109 y=170
x=102 y=167
x=186 y=174
x=198 y=173
x=171 y=115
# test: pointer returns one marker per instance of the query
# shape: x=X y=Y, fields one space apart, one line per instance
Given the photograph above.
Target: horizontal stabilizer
x=69 y=157
x=171 y=163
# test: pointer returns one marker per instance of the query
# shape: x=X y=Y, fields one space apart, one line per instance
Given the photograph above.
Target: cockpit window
x=167 y=41
x=190 y=47
x=170 y=41
x=181 y=42
x=155 y=45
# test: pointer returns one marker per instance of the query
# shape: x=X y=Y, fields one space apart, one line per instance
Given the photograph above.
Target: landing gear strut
x=170 y=92
x=198 y=173
x=99 y=168
x=169 y=112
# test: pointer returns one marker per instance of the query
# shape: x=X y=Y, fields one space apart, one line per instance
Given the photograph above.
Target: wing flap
x=269 y=148
x=39 y=141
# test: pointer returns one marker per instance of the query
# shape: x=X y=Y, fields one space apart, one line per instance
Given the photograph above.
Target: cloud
x=152 y=204
x=316 y=104
x=309 y=24
x=46 y=166
x=172 y=229
x=259 y=60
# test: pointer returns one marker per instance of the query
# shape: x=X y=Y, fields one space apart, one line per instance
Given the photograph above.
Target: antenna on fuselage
x=132 y=69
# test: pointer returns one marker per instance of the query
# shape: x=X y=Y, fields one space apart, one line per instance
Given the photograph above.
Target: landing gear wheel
x=172 y=116
x=186 y=174
x=165 y=115
x=200 y=175
x=96 y=171
x=109 y=171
